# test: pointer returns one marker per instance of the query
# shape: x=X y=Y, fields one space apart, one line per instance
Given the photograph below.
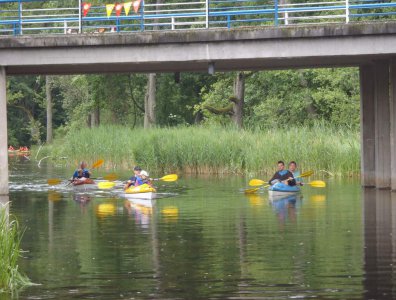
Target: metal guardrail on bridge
x=19 y=17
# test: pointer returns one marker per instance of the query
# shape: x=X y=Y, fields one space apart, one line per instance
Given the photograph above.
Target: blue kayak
x=281 y=189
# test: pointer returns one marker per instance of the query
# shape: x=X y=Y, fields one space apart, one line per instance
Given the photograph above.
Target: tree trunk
x=95 y=117
x=49 y=108
x=310 y=109
x=150 y=102
x=239 y=99
x=89 y=120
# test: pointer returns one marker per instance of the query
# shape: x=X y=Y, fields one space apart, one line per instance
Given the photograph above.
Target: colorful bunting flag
x=127 y=7
x=118 y=9
x=86 y=7
x=136 y=5
x=109 y=9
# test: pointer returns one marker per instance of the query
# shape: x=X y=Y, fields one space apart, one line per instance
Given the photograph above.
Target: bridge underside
x=219 y=65
x=371 y=47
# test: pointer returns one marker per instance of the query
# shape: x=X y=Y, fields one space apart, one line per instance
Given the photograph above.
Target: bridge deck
x=238 y=49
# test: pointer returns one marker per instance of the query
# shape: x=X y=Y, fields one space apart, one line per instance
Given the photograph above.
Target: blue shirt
x=136 y=180
x=84 y=173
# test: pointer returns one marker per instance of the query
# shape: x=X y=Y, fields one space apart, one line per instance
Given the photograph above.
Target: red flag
x=86 y=7
x=136 y=5
x=118 y=9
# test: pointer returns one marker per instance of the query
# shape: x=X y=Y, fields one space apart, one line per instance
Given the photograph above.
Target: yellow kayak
x=143 y=191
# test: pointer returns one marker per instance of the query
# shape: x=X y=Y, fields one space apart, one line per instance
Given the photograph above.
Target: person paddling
x=144 y=175
x=135 y=180
x=296 y=174
x=81 y=174
x=282 y=175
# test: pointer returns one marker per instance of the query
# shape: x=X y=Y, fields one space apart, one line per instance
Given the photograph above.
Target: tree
x=150 y=102
x=235 y=106
x=49 y=108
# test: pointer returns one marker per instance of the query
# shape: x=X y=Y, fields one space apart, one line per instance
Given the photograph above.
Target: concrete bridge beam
x=393 y=122
x=367 y=126
x=3 y=134
x=382 y=124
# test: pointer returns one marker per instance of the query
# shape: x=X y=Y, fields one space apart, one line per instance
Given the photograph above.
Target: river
x=204 y=239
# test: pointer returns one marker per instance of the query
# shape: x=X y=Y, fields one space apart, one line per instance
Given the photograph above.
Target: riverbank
x=10 y=277
x=211 y=150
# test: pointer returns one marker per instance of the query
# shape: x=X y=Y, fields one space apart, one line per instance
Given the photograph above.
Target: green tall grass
x=10 y=237
x=214 y=149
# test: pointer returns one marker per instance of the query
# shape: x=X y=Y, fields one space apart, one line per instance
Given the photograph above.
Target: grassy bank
x=213 y=150
x=10 y=277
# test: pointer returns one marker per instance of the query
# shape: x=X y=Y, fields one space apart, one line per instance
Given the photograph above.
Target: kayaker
x=135 y=180
x=82 y=173
x=282 y=175
x=145 y=178
x=296 y=174
x=11 y=148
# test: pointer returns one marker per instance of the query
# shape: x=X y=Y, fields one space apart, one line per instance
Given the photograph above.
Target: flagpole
x=79 y=17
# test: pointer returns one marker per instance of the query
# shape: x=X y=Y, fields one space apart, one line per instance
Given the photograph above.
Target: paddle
x=97 y=164
x=54 y=181
x=258 y=182
x=167 y=178
x=316 y=183
x=105 y=185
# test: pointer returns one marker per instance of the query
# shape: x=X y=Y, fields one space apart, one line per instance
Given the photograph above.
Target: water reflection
x=140 y=210
x=380 y=245
x=255 y=199
x=286 y=208
x=106 y=209
x=208 y=243
x=170 y=214
x=54 y=196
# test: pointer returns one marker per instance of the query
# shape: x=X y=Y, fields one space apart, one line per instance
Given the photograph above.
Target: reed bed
x=214 y=150
x=10 y=237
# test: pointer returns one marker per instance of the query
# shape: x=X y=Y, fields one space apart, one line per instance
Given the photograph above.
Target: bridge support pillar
x=378 y=124
x=393 y=122
x=367 y=126
x=3 y=134
x=382 y=124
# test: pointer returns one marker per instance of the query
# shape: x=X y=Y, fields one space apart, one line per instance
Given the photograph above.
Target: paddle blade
x=97 y=164
x=306 y=174
x=111 y=177
x=251 y=191
x=256 y=182
x=170 y=177
x=317 y=183
x=105 y=185
x=54 y=181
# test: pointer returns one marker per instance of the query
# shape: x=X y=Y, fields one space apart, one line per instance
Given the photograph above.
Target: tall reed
x=10 y=238
x=214 y=149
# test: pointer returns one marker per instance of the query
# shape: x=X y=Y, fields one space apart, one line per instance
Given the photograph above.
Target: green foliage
x=176 y=100
x=212 y=149
x=290 y=98
x=273 y=99
x=10 y=237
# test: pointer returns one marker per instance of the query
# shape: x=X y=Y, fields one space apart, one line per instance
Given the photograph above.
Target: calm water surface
x=203 y=240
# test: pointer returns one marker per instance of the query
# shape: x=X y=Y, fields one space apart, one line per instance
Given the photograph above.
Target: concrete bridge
x=369 y=46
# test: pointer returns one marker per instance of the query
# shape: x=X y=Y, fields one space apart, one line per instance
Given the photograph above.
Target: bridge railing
x=50 y=17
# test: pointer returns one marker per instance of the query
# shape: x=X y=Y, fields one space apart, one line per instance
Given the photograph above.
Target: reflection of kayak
x=276 y=200
x=139 y=203
x=280 y=189
x=143 y=191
